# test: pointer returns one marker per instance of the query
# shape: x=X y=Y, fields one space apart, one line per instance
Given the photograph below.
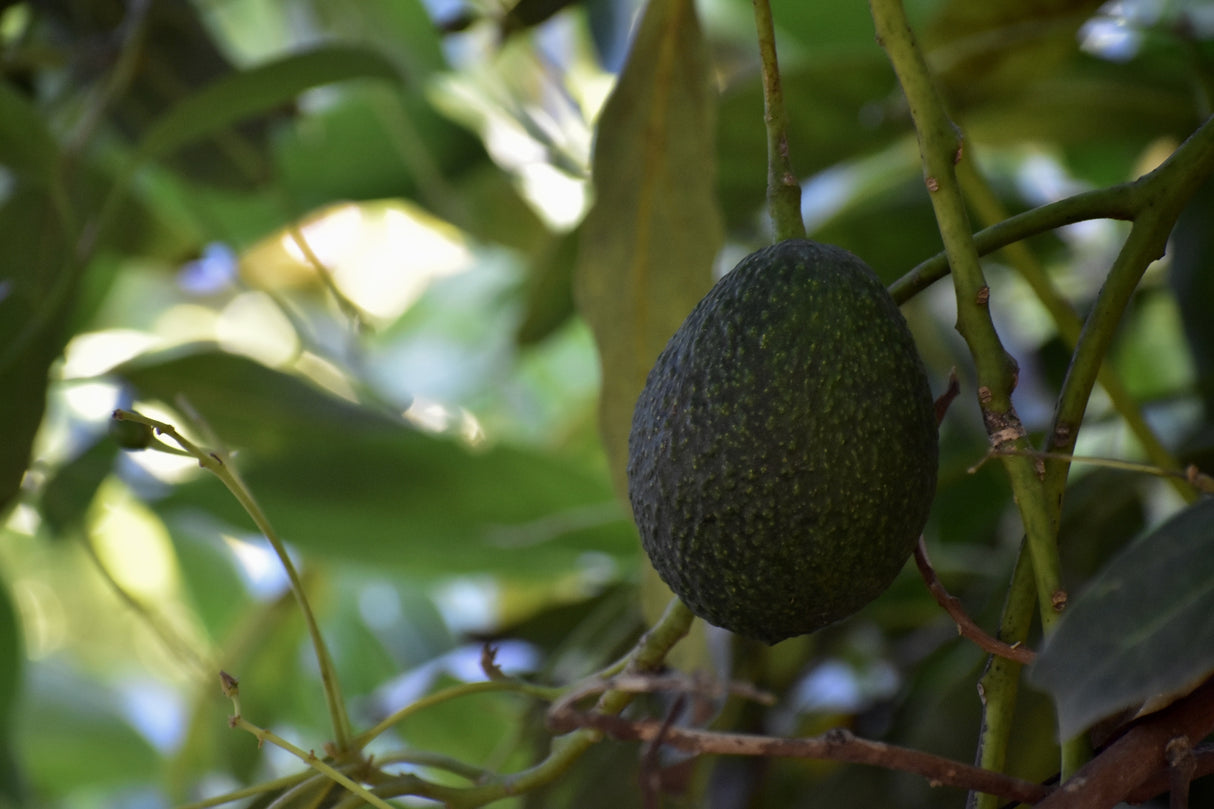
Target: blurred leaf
x=350 y=483
x=549 y=290
x=494 y=211
x=1192 y=280
x=983 y=49
x=1143 y=628
x=1103 y=511
x=165 y=53
x=12 y=660
x=529 y=13
x=212 y=581
x=37 y=292
x=67 y=495
x=1081 y=107
x=374 y=142
x=400 y=29
x=648 y=245
x=1151 y=355
x=72 y=735
x=26 y=144
x=480 y=729
x=258 y=90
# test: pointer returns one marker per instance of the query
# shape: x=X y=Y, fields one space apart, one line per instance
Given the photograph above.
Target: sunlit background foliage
x=415 y=404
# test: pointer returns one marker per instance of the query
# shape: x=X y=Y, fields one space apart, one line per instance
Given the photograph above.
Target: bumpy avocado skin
x=783 y=453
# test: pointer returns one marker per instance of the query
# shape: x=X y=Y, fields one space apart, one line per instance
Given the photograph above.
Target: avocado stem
x=783 y=188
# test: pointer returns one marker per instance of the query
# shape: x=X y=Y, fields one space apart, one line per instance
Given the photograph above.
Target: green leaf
x=648 y=245
x=67 y=496
x=549 y=302
x=26 y=144
x=985 y=49
x=37 y=293
x=1192 y=282
x=529 y=13
x=354 y=484
x=1142 y=630
x=374 y=142
x=72 y=736
x=12 y=658
x=258 y=90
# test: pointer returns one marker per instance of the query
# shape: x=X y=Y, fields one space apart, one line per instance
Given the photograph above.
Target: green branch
x=783 y=189
x=1158 y=198
x=1067 y=321
x=941 y=148
x=1105 y=203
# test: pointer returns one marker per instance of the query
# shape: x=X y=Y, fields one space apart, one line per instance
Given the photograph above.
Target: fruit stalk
x=783 y=189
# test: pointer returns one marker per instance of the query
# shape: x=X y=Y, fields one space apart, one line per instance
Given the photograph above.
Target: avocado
x=783 y=452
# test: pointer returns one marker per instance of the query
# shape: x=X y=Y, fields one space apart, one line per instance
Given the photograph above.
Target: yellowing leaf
x=648 y=245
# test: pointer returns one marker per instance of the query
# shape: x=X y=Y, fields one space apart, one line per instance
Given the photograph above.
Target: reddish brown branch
x=836 y=745
x=1140 y=754
x=1161 y=782
x=945 y=399
x=966 y=625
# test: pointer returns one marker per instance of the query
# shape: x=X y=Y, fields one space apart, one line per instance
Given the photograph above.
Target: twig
x=966 y=625
x=231 y=689
x=651 y=764
x=215 y=463
x=1191 y=474
x=835 y=745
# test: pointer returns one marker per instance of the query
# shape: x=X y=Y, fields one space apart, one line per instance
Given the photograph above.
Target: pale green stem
x=783 y=189
x=310 y=758
x=214 y=463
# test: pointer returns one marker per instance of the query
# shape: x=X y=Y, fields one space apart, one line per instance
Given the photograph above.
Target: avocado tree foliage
x=321 y=327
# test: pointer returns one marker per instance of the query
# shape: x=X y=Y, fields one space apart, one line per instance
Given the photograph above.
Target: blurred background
x=338 y=240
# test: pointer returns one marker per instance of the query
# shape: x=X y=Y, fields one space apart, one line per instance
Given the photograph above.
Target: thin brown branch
x=946 y=399
x=966 y=625
x=641 y=683
x=835 y=745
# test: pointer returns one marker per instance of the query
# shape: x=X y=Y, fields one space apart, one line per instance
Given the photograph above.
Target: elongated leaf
x=37 y=293
x=350 y=483
x=647 y=247
x=259 y=90
x=12 y=659
x=1142 y=630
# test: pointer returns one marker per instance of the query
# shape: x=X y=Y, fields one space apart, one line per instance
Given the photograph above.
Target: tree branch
x=835 y=745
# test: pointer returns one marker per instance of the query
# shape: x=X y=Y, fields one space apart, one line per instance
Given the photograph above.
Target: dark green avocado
x=783 y=453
